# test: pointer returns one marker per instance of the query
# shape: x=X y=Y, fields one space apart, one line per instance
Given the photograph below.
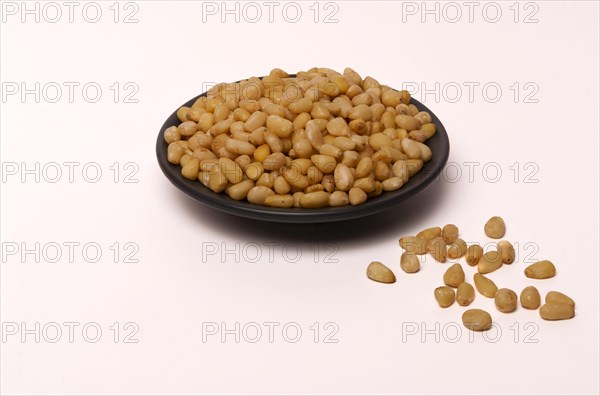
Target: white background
x=170 y=54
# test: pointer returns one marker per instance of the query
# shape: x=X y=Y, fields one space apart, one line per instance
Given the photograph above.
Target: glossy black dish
x=439 y=145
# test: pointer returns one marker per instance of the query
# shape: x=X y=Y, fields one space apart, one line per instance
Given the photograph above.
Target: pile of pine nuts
x=443 y=243
x=319 y=139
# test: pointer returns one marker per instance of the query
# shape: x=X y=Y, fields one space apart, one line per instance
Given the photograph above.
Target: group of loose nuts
x=318 y=139
x=443 y=243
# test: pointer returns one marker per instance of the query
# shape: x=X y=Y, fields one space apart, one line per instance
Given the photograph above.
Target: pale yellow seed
x=343 y=177
x=392 y=184
x=380 y=273
x=530 y=298
x=485 y=285
x=445 y=296
x=408 y=122
x=379 y=140
x=360 y=112
x=454 y=275
x=339 y=198
x=413 y=244
x=329 y=184
x=191 y=169
x=474 y=254
x=366 y=184
x=364 y=167
x=331 y=150
x=174 y=152
x=303 y=148
x=261 y=153
x=344 y=143
x=457 y=249
x=559 y=298
x=239 y=191
x=507 y=251
x=297 y=196
x=437 y=248
x=187 y=128
x=216 y=179
x=506 y=300
x=303 y=105
x=254 y=170
x=489 y=262
x=171 y=135
x=382 y=171
x=557 y=311
x=258 y=194
x=239 y=147
x=274 y=161
x=430 y=233
x=338 y=127
x=495 y=227
x=357 y=196
x=256 y=120
x=317 y=199
x=465 y=294
x=541 y=270
x=279 y=201
x=409 y=262
x=282 y=127
x=281 y=186
x=410 y=147
x=324 y=163
x=232 y=171
x=182 y=113
x=449 y=233
x=477 y=320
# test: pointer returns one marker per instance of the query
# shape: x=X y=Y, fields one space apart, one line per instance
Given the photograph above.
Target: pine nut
x=474 y=254
x=505 y=300
x=258 y=194
x=357 y=196
x=380 y=273
x=477 y=320
x=274 y=161
x=489 y=262
x=338 y=198
x=343 y=177
x=191 y=168
x=407 y=122
x=485 y=285
x=430 y=233
x=559 y=298
x=437 y=248
x=457 y=249
x=445 y=296
x=318 y=199
x=171 y=135
x=392 y=184
x=507 y=251
x=413 y=244
x=557 y=311
x=449 y=233
x=279 y=201
x=530 y=298
x=409 y=263
x=541 y=270
x=495 y=227
x=454 y=276
x=465 y=294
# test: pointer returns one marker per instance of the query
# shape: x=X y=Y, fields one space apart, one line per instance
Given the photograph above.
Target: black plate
x=439 y=145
